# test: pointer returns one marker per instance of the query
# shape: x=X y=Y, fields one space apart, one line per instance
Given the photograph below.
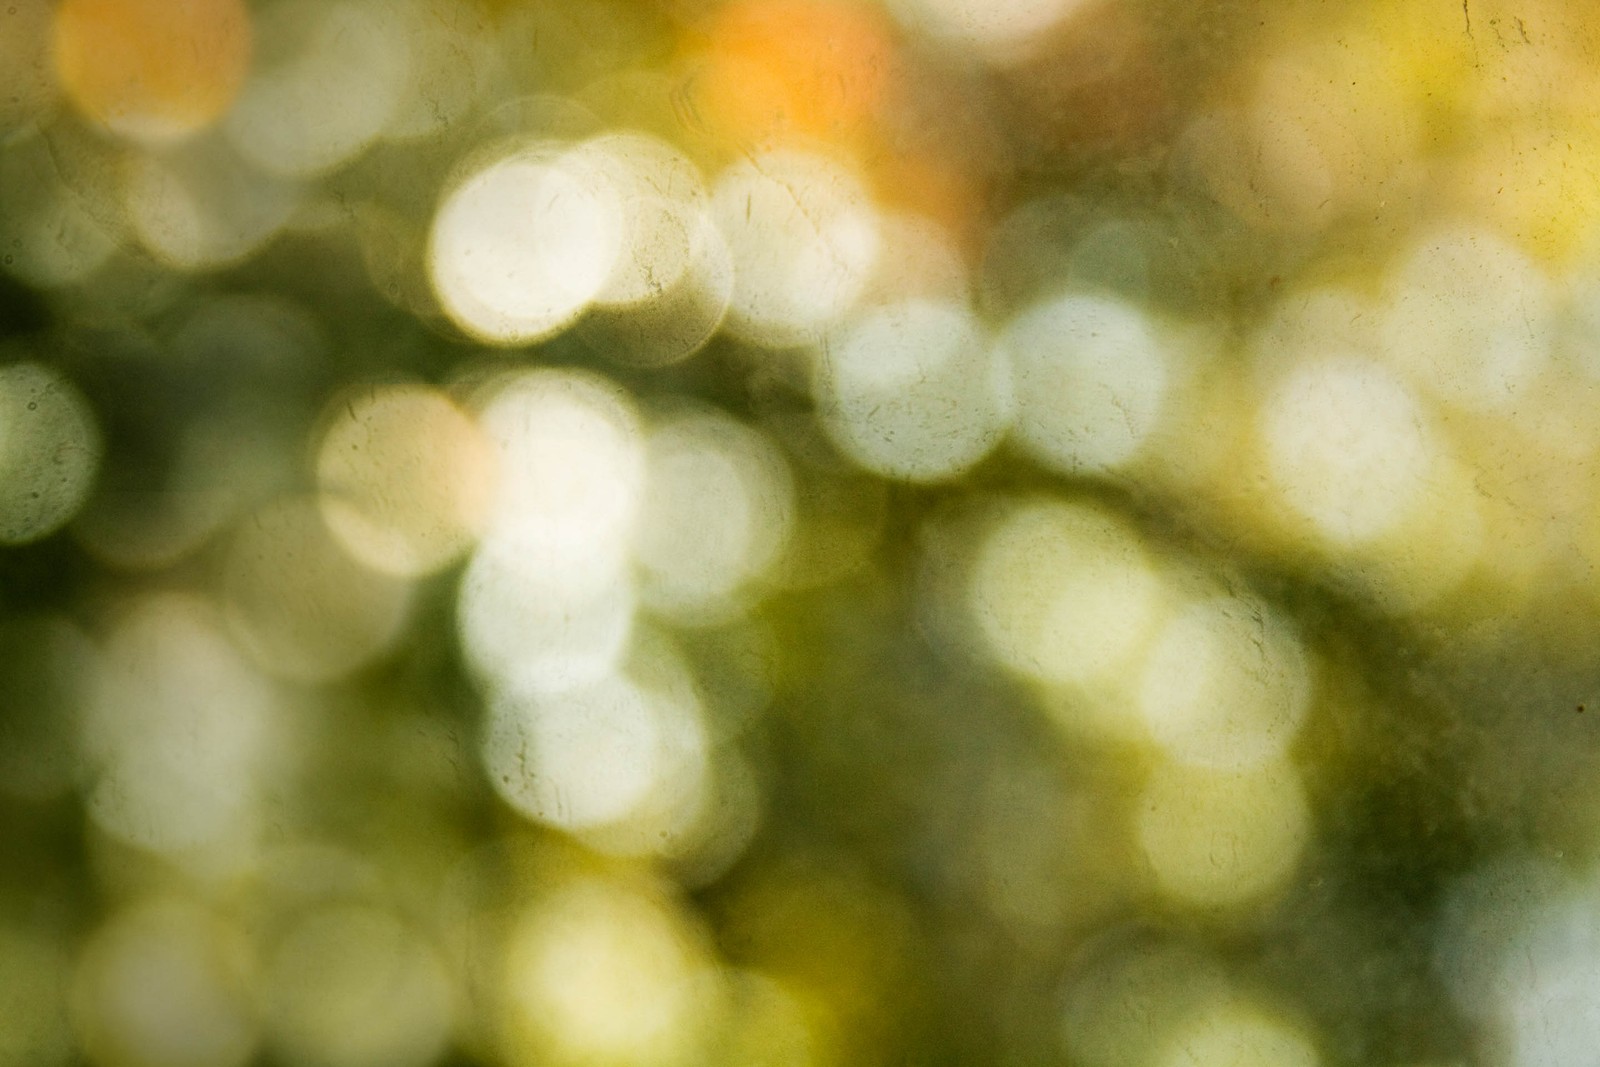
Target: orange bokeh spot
x=809 y=68
x=152 y=70
x=926 y=185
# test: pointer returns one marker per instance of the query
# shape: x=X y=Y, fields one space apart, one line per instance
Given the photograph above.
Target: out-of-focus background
x=799 y=533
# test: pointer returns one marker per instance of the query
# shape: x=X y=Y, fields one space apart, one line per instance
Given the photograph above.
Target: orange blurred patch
x=781 y=68
x=928 y=186
x=1096 y=85
x=152 y=70
x=27 y=84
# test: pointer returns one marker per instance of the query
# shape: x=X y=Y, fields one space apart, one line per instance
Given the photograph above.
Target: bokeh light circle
x=1239 y=1034
x=1064 y=593
x=50 y=450
x=718 y=510
x=1226 y=684
x=302 y=606
x=1003 y=30
x=165 y=984
x=914 y=391
x=1348 y=446
x=177 y=733
x=328 y=76
x=1223 y=838
x=351 y=985
x=406 y=479
x=621 y=762
x=153 y=70
x=571 y=456
x=522 y=245
x=547 y=602
x=804 y=239
x=1091 y=377
x=603 y=971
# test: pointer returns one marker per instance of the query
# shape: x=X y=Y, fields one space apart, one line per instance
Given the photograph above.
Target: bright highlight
x=1091 y=380
x=914 y=391
x=406 y=479
x=804 y=239
x=1223 y=838
x=523 y=245
x=1064 y=593
x=1348 y=448
x=718 y=509
x=1226 y=684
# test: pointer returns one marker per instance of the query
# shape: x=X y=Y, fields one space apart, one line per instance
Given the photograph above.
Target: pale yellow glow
x=351 y=985
x=520 y=629
x=583 y=758
x=622 y=761
x=1420 y=564
x=571 y=460
x=1239 y=1034
x=1226 y=684
x=1064 y=593
x=1223 y=838
x=662 y=204
x=1326 y=126
x=165 y=984
x=547 y=602
x=523 y=244
x=1315 y=318
x=601 y=972
x=913 y=390
x=326 y=80
x=178 y=732
x=1127 y=1004
x=804 y=238
x=1471 y=319
x=718 y=509
x=301 y=605
x=50 y=450
x=676 y=320
x=406 y=479
x=1348 y=446
x=1354 y=463
x=1091 y=376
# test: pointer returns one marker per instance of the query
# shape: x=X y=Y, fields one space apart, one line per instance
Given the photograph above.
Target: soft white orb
x=523 y=245
x=1091 y=378
x=913 y=390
